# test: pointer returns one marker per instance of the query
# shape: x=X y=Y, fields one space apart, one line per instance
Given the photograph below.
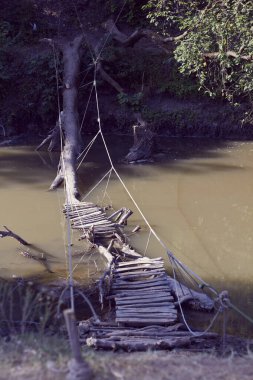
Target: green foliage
x=129 y=10
x=133 y=101
x=18 y=17
x=148 y=73
x=219 y=27
x=40 y=90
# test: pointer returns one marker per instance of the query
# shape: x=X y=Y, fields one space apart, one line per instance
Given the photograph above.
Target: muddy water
x=198 y=196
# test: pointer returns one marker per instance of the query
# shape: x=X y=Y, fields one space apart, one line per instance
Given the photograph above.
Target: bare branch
x=229 y=53
x=10 y=233
x=121 y=37
x=108 y=78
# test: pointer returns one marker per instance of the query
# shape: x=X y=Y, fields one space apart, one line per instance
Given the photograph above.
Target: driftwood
x=41 y=260
x=111 y=336
x=104 y=283
x=126 y=214
x=143 y=146
x=11 y=234
x=195 y=300
x=53 y=138
x=142 y=344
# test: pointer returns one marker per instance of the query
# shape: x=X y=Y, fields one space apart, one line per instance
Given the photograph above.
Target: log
x=108 y=256
x=126 y=214
x=71 y=150
x=116 y=214
x=133 y=345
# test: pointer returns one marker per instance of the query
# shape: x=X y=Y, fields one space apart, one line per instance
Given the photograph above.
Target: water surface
x=198 y=198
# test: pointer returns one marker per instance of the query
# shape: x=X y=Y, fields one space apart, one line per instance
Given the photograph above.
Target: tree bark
x=67 y=171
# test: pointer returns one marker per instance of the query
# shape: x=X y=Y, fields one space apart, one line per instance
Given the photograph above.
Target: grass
x=32 y=357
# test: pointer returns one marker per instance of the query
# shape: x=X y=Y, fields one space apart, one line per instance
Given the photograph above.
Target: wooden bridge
x=142 y=297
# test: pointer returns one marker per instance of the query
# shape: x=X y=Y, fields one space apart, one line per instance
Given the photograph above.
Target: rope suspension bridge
x=144 y=302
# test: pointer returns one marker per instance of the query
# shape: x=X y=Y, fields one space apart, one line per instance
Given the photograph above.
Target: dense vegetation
x=190 y=51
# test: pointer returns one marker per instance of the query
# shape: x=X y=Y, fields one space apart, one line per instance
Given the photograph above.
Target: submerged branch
x=10 y=233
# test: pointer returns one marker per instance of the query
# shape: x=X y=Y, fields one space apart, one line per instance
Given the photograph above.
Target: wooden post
x=78 y=369
x=73 y=334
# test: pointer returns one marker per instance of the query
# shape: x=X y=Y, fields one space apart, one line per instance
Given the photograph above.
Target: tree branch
x=108 y=78
x=130 y=41
x=10 y=233
x=120 y=37
x=229 y=53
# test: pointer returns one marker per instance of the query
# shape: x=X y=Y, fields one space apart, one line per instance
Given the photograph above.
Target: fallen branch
x=10 y=233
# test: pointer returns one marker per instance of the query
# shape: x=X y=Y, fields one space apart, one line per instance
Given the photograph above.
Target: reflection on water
x=198 y=198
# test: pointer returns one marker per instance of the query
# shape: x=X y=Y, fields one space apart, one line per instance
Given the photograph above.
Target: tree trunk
x=67 y=172
x=143 y=142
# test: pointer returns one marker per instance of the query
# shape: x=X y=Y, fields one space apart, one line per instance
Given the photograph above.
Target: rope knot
x=223 y=299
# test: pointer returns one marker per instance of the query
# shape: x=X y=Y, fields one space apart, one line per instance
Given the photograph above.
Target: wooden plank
x=91 y=211
x=155 y=291
x=147 y=282
x=157 y=317
x=158 y=303
x=154 y=312
x=140 y=274
x=141 y=287
x=161 y=298
x=145 y=321
x=144 y=294
x=137 y=267
x=140 y=260
x=82 y=220
x=165 y=306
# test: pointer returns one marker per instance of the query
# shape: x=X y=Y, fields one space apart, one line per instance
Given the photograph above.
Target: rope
x=151 y=230
x=97 y=184
x=147 y=244
x=86 y=150
x=182 y=312
x=88 y=102
x=106 y=187
x=239 y=311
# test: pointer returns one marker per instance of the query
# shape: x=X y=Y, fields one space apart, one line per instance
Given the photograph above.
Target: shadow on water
x=197 y=195
x=173 y=157
x=24 y=165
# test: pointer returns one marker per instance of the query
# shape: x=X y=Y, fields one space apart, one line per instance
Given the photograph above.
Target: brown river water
x=198 y=197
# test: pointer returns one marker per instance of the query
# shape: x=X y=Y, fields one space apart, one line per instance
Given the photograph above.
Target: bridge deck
x=143 y=313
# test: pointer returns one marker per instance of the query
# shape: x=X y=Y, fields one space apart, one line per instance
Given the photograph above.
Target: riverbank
x=31 y=357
